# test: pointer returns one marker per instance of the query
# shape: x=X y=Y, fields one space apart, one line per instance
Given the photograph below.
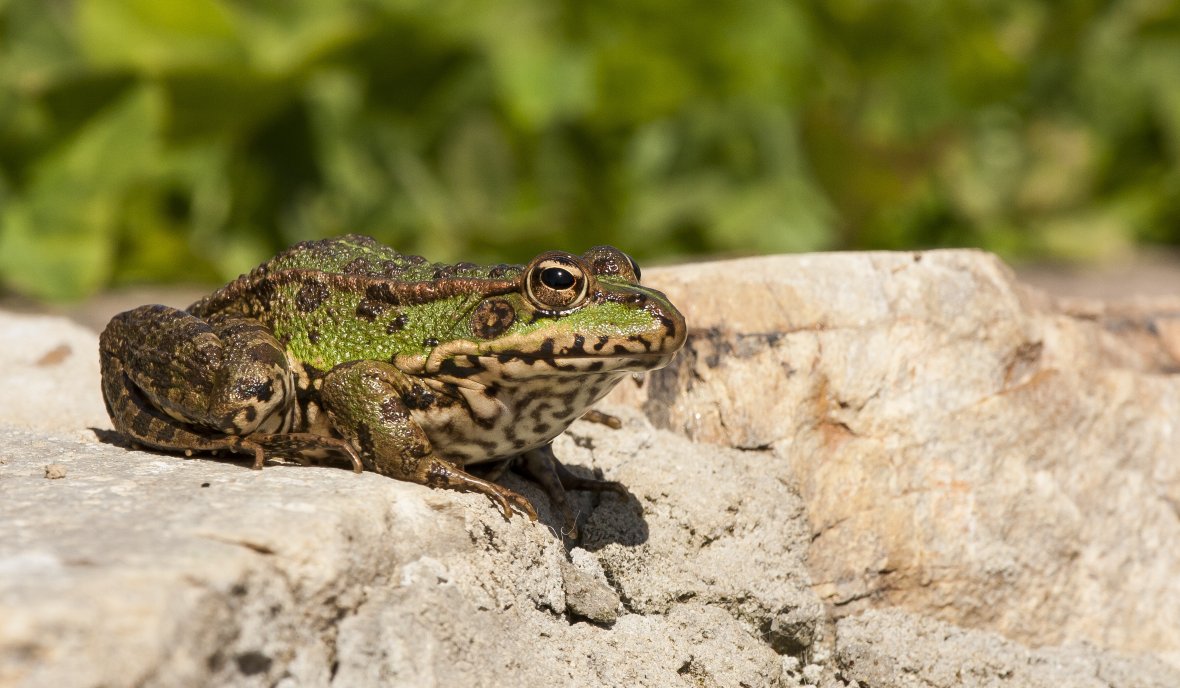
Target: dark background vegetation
x=153 y=140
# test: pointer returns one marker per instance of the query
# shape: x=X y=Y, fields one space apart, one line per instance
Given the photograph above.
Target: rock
x=965 y=448
x=588 y=595
x=55 y=471
x=47 y=381
x=893 y=649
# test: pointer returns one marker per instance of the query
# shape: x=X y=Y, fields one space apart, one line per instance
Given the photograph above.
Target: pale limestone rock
x=588 y=595
x=893 y=649
x=965 y=448
x=47 y=379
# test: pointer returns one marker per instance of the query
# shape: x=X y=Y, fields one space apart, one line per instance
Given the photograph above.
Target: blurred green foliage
x=143 y=140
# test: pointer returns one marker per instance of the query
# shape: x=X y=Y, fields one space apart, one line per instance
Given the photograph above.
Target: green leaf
x=57 y=236
x=152 y=37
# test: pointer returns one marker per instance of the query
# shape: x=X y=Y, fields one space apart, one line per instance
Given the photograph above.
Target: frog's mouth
x=468 y=363
x=620 y=362
x=579 y=354
x=508 y=366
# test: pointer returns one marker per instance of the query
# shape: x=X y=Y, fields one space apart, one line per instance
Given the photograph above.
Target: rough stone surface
x=965 y=448
x=893 y=649
x=54 y=471
x=844 y=433
x=47 y=380
x=588 y=595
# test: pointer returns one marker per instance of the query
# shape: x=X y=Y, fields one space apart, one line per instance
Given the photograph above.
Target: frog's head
x=569 y=314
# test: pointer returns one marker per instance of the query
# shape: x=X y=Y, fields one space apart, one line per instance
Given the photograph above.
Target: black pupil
x=557 y=278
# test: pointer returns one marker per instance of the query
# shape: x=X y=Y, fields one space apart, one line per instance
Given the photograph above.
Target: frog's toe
x=242 y=445
x=358 y=466
x=510 y=502
x=569 y=526
x=594 y=416
x=523 y=506
x=439 y=473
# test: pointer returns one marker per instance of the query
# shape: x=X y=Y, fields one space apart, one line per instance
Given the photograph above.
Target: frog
x=346 y=350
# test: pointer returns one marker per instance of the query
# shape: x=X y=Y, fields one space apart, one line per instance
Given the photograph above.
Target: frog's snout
x=672 y=326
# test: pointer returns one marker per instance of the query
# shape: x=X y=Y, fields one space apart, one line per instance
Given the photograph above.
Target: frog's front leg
x=363 y=401
x=173 y=381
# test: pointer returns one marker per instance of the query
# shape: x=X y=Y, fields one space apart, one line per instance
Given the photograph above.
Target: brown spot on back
x=356 y=266
x=397 y=324
x=311 y=295
x=381 y=292
x=419 y=398
x=392 y=411
x=369 y=310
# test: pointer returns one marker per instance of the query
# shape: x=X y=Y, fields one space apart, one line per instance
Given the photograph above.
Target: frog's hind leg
x=173 y=381
x=134 y=416
x=542 y=466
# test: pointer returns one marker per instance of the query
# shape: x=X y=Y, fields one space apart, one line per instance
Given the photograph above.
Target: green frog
x=346 y=349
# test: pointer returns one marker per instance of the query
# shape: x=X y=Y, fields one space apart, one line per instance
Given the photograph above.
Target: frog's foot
x=555 y=479
x=593 y=416
x=242 y=445
x=303 y=446
x=440 y=473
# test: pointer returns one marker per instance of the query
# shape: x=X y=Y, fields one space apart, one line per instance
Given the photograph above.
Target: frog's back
x=361 y=259
x=347 y=255
x=351 y=298
x=363 y=256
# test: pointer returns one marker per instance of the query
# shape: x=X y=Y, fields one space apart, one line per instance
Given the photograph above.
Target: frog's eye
x=556 y=282
x=557 y=278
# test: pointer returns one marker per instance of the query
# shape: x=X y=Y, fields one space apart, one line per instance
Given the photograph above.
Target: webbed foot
x=443 y=474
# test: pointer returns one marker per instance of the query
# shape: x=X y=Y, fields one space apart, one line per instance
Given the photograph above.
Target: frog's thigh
x=363 y=400
x=173 y=381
